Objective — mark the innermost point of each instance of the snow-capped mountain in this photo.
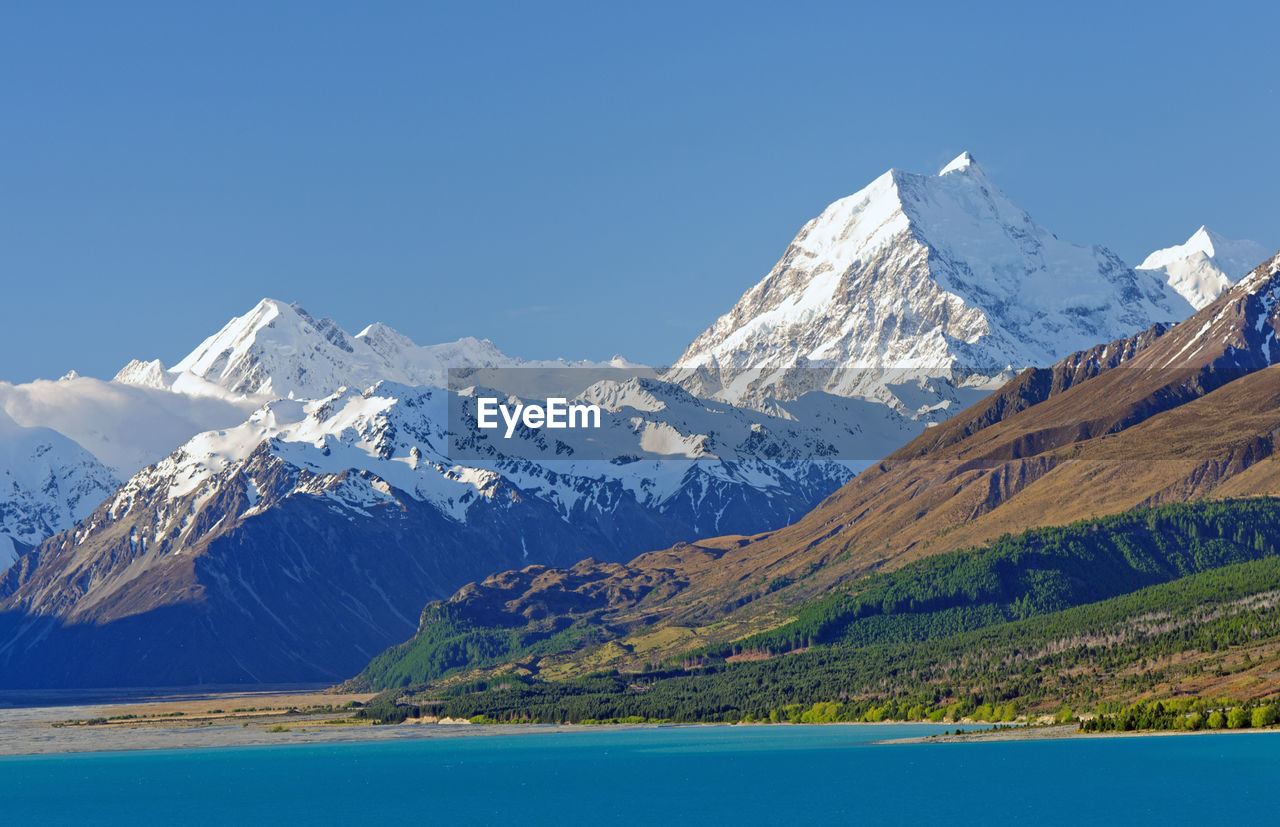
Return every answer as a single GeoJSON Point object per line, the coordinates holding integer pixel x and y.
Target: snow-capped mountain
{"type": "Point", "coordinates": [70, 442]}
{"type": "Point", "coordinates": [297, 542]}
{"type": "Point", "coordinates": [279, 351]}
{"type": "Point", "coordinates": [1206, 265]}
{"type": "Point", "coordinates": [48, 483]}
{"type": "Point", "coordinates": [919, 276]}
{"type": "Point", "coordinates": [147, 411]}
{"type": "Point", "coordinates": [398, 436]}
{"type": "Point", "coordinates": [319, 487]}
{"type": "Point", "coordinates": [295, 545]}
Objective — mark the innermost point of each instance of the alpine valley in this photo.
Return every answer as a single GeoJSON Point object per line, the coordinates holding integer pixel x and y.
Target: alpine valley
{"type": "Point", "coordinates": [931, 419]}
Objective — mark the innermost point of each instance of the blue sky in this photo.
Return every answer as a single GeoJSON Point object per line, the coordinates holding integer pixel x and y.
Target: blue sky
{"type": "Point", "coordinates": [570, 179]}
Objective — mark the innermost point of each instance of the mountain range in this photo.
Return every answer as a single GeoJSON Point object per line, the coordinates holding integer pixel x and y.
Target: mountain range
{"type": "Point", "coordinates": [1171, 415]}
{"type": "Point", "coordinates": [280, 504]}
{"type": "Point", "coordinates": [222, 561]}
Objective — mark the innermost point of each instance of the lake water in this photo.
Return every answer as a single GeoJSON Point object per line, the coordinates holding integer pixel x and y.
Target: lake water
{"type": "Point", "coordinates": [708, 775]}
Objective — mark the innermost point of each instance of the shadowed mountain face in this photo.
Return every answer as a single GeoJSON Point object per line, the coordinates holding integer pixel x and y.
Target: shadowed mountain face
{"type": "Point", "coordinates": [297, 544]}
{"type": "Point", "coordinates": [1169, 415]}
{"type": "Point", "coordinates": [273, 588]}
{"type": "Point", "coordinates": [303, 559]}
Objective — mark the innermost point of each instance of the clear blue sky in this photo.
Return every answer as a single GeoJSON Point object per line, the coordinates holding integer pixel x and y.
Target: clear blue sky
{"type": "Point", "coordinates": [570, 179]}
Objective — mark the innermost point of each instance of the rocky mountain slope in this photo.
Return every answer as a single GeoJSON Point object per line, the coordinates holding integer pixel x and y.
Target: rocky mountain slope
{"type": "Point", "coordinates": [1169, 415]}
{"type": "Point", "coordinates": [919, 277]}
{"type": "Point", "coordinates": [294, 545]}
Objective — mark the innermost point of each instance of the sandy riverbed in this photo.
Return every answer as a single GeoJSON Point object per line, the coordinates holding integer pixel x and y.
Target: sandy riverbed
{"type": "Point", "coordinates": [208, 720]}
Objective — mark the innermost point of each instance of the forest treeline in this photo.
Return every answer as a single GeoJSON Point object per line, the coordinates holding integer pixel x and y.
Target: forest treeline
{"type": "Point", "coordinates": [1049, 620]}
{"type": "Point", "coordinates": [1012, 578]}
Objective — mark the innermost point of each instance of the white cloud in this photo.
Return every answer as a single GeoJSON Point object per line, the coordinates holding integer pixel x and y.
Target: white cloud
{"type": "Point", "coordinates": [124, 426]}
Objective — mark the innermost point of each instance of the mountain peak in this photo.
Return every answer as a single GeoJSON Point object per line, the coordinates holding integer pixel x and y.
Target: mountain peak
{"type": "Point", "coordinates": [278, 349]}
{"type": "Point", "coordinates": [1236, 331]}
{"type": "Point", "coordinates": [1203, 240]}
{"type": "Point", "coordinates": [964, 162]}
{"type": "Point", "coordinates": [385, 340]}
{"type": "Point", "coordinates": [938, 274]}
{"type": "Point", "coordinates": [1201, 268]}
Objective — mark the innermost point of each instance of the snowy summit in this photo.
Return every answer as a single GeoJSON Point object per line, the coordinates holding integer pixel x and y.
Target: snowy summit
{"type": "Point", "coordinates": [934, 274]}
{"type": "Point", "coordinates": [1206, 265]}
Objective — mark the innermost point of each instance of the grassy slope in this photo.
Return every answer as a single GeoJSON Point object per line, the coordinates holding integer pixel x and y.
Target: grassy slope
{"type": "Point", "coordinates": [1216, 633]}
{"type": "Point", "coordinates": [920, 618]}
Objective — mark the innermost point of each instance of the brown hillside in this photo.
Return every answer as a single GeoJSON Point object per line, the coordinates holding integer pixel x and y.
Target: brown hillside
{"type": "Point", "coordinates": [1164, 416]}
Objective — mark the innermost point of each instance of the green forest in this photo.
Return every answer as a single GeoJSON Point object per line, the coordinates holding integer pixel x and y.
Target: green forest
{"type": "Point", "coordinates": [1015, 577]}
{"type": "Point", "coordinates": [1040, 663]}
{"type": "Point", "coordinates": [1033, 573]}
{"type": "Point", "coordinates": [1052, 620]}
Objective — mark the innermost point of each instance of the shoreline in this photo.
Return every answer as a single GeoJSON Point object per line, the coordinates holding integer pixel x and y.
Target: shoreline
{"type": "Point", "coordinates": [202, 719]}
{"type": "Point", "coordinates": [71, 723]}
{"type": "Point", "coordinates": [1059, 732]}
{"type": "Point", "coordinates": [210, 720]}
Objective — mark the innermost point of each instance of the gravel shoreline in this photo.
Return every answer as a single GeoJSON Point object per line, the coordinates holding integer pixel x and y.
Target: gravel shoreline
{"type": "Point", "coordinates": [212, 720]}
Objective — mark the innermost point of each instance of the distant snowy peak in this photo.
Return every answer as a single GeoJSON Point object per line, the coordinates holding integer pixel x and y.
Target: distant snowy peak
{"type": "Point", "coordinates": [1206, 265]}
{"type": "Point", "coordinates": [47, 484]}
{"type": "Point", "coordinates": [961, 163]}
{"type": "Point", "coordinates": [934, 274]}
{"type": "Point", "coordinates": [401, 352]}
{"type": "Point", "coordinates": [145, 375]}
{"type": "Point", "coordinates": [279, 351]}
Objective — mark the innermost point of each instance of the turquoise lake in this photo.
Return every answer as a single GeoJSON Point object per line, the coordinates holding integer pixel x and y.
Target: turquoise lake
{"type": "Point", "coordinates": [708, 775]}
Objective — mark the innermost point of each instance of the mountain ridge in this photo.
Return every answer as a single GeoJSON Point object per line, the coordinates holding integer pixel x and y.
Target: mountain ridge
{"type": "Point", "coordinates": [1171, 415]}
{"type": "Point", "coordinates": [939, 276]}
{"type": "Point", "coordinates": [342, 442]}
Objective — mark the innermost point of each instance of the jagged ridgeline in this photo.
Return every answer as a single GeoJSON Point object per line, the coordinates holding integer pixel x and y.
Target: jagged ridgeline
{"type": "Point", "coordinates": [289, 500]}
{"type": "Point", "coordinates": [1031, 574]}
